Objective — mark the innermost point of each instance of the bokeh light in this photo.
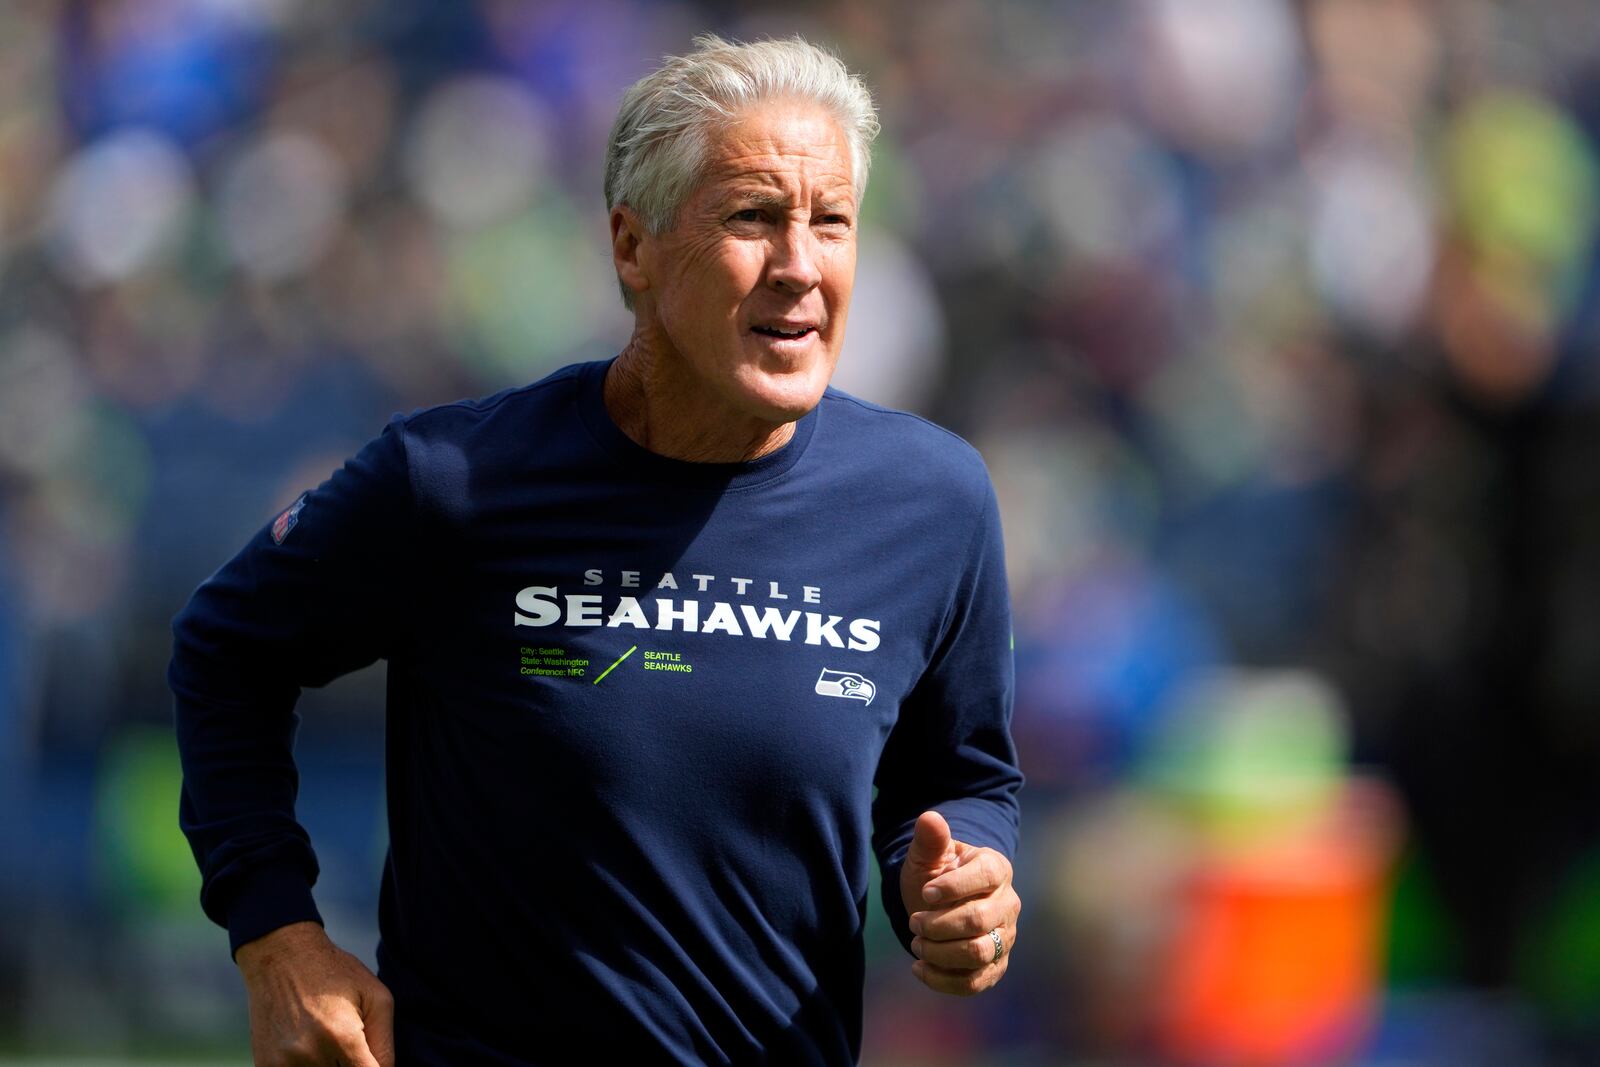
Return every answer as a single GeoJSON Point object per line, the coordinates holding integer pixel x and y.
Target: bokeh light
{"type": "Point", "coordinates": [478, 150]}
{"type": "Point", "coordinates": [120, 204]}
{"type": "Point", "coordinates": [278, 203]}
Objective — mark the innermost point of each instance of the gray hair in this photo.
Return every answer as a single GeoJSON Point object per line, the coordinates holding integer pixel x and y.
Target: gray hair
{"type": "Point", "coordinates": [659, 140]}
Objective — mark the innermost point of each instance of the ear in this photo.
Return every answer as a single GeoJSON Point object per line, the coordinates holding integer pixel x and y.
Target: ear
{"type": "Point", "coordinates": [627, 234]}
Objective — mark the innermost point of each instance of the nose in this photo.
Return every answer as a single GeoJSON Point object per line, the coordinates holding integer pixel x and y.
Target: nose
{"type": "Point", "coordinates": [792, 264]}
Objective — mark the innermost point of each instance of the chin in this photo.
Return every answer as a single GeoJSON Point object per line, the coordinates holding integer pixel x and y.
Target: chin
{"type": "Point", "coordinates": [784, 396]}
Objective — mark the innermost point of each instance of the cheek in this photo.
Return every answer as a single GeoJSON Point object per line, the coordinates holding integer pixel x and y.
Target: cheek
{"type": "Point", "coordinates": [719, 283]}
{"type": "Point", "coordinates": [839, 276]}
{"type": "Point", "coordinates": [741, 266]}
{"type": "Point", "coordinates": [698, 300]}
{"type": "Point", "coordinates": [839, 260]}
{"type": "Point", "coordinates": [699, 272]}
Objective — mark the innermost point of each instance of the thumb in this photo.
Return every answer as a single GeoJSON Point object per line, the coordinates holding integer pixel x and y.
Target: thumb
{"type": "Point", "coordinates": [930, 841]}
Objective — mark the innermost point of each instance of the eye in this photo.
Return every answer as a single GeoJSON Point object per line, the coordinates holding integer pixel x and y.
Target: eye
{"type": "Point", "coordinates": [834, 221]}
{"type": "Point", "coordinates": [749, 214]}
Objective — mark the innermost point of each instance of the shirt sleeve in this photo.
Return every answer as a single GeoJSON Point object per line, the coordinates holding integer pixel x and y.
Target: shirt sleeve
{"type": "Point", "coordinates": [310, 597]}
{"type": "Point", "coordinates": [951, 748]}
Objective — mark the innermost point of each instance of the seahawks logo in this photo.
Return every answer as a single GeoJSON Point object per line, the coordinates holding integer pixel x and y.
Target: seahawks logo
{"type": "Point", "coordinates": [846, 684]}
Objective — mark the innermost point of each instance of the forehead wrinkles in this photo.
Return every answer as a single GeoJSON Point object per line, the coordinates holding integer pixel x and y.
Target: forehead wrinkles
{"type": "Point", "coordinates": [770, 163]}
{"type": "Point", "coordinates": [777, 148]}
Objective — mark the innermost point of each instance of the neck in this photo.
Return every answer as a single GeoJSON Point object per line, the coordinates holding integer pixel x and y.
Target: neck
{"type": "Point", "coordinates": [660, 406]}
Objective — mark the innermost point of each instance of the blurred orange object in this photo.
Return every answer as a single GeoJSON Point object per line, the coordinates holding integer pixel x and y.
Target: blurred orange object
{"type": "Point", "coordinates": [1276, 959]}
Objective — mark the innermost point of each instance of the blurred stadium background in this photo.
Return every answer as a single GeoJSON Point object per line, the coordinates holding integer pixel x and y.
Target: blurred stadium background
{"type": "Point", "coordinates": [1277, 322]}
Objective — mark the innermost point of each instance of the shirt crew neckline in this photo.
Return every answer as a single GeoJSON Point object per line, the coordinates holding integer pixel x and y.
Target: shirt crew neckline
{"type": "Point", "coordinates": [737, 475]}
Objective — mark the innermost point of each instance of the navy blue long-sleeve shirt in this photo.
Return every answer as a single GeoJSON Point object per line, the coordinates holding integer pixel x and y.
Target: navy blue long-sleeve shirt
{"type": "Point", "coordinates": [637, 709]}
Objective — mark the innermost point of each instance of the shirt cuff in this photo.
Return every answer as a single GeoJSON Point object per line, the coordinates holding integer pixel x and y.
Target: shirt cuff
{"type": "Point", "coordinates": [273, 897]}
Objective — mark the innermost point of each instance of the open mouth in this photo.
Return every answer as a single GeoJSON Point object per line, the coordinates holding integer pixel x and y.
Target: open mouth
{"type": "Point", "coordinates": [784, 333]}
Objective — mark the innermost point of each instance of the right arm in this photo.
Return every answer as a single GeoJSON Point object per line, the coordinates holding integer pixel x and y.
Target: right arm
{"type": "Point", "coordinates": [293, 610]}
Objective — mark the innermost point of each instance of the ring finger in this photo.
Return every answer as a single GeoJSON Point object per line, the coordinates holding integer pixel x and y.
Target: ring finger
{"type": "Point", "coordinates": [964, 954]}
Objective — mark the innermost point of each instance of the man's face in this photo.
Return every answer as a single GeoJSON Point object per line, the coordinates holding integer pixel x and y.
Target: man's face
{"type": "Point", "coordinates": [750, 288]}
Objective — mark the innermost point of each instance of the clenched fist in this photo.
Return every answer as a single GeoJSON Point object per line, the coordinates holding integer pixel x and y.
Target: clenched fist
{"type": "Point", "coordinates": [312, 1004]}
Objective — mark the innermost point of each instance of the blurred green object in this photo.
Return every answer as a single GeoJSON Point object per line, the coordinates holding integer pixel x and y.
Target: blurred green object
{"type": "Point", "coordinates": [1420, 951]}
{"type": "Point", "coordinates": [1523, 177]}
{"type": "Point", "coordinates": [142, 859]}
{"type": "Point", "coordinates": [1559, 960]}
{"type": "Point", "coordinates": [894, 190]}
{"type": "Point", "coordinates": [529, 294]}
{"type": "Point", "coordinates": [1250, 754]}
{"type": "Point", "coordinates": [106, 475]}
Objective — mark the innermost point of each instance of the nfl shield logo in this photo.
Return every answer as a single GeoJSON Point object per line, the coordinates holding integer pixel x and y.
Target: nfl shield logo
{"type": "Point", "coordinates": [286, 522]}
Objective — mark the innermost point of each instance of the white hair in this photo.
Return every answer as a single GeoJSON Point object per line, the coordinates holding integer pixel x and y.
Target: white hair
{"type": "Point", "coordinates": [659, 140]}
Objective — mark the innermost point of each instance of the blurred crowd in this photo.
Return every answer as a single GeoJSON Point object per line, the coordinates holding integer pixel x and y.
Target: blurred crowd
{"type": "Point", "coordinates": [1277, 322]}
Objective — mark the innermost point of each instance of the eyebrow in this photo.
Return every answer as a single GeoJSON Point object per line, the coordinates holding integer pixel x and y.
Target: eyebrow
{"type": "Point", "coordinates": [779, 202]}
{"type": "Point", "coordinates": [761, 198]}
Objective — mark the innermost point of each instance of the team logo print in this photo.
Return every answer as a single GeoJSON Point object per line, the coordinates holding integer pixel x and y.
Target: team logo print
{"type": "Point", "coordinates": [286, 522]}
{"type": "Point", "coordinates": [847, 684]}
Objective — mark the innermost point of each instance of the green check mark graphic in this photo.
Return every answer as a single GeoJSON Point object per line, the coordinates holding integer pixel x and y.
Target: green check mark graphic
{"type": "Point", "coordinates": [613, 667]}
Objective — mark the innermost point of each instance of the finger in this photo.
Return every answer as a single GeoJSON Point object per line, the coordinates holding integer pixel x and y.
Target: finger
{"type": "Point", "coordinates": [969, 918]}
{"type": "Point", "coordinates": [957, 983]}
{"type": "Point", "coordinates": [985, 872]}
{"type": "Point", "coordinates": [378, 1017]}
{"type": "Point", "coordinates": [968, 954]}
{"type": "Point", "coordinates": [930, 840]}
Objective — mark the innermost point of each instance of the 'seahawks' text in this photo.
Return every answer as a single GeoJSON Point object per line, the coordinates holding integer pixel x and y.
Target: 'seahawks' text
{"type": "Point", "coordinates": [544, 605]}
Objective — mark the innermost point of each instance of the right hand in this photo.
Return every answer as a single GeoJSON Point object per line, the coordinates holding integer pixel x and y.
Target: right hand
{"type": "Point", "coordinates": [312, 1004]}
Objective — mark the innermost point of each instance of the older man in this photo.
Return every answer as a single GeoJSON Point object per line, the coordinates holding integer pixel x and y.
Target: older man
{"type": "Point", "coordinates": [656, 628]}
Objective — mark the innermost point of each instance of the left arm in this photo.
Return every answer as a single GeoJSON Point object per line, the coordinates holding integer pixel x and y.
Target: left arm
{"type": "Point", "coordinates": [946, 814]}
